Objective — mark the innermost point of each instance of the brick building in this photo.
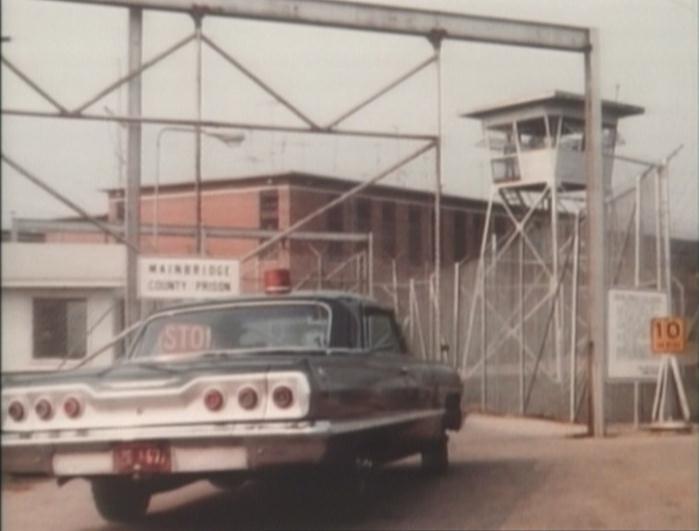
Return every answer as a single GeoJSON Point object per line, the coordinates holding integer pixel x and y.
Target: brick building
{"type": "Point", "coordinates": [401, 221]}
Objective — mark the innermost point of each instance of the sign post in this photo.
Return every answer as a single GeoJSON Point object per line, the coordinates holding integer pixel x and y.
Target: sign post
{"type": "Point", "coordinates": [630, 355]}
{"type": "Point", "coordinates": [668, 339]}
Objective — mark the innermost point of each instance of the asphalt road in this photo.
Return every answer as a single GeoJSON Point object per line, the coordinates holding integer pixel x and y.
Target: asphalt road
{"type": "Point", "coordinates": [505, 473]}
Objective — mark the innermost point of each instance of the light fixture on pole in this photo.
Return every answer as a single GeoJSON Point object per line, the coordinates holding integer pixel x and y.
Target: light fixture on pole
{"type": "Point", "coordinates": [229, 139]}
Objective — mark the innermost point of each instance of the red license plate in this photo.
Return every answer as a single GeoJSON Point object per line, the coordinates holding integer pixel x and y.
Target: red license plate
{"type": "Point", "coordinates": [130, 458]}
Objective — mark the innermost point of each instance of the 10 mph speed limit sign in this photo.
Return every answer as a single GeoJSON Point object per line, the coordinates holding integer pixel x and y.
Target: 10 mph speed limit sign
{"type": "Point", "coordinates": [667, 335]}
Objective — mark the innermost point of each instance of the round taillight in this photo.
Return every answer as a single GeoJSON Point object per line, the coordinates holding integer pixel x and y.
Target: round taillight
{"type": "Point", "coordinates": [71, 407]}
{"type": "Point", "coordinates": [283, 397]}
{"type": "Point", "coordinates": [16, 411]}
{"type": "Point", "coordinates": [43, 409]}
{"type": "Point", "coordinates": [247, 398]}
{"type": "Point", "coordinates": [213, 400]}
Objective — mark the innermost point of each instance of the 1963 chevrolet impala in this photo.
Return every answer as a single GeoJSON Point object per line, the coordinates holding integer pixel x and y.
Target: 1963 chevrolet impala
{"type": "Point", "coordinates": [227, 390]}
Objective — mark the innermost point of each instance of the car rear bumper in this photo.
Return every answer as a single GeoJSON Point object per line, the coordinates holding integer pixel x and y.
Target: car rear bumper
{"type": "Point", "coordinates": [199, 448]}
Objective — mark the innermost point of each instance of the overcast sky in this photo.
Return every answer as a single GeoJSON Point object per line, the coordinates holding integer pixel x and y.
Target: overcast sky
{"type": "Point", "coordinates": [649, 58]}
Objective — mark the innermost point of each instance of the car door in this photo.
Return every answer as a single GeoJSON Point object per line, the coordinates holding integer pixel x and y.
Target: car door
{"type": "Point", "coordinates": [402, 386]}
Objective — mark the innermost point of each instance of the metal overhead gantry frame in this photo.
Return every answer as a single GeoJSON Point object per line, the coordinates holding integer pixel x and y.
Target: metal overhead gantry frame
{"type": "Point", "coordinates": [433, 25]}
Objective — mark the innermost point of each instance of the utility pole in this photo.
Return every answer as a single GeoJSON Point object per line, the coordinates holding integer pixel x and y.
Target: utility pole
{"type": "Point", "coordinates": [597, 275]}
{"type": "Point", "coordinates": [132, 307]}
{"type": "Point", "coordinates": [198, 16]}
{"type": "Point", "coordinates": [436, 39]}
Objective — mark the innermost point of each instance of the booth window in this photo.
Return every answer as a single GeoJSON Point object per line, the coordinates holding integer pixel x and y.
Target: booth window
{"type": "Point", "coordinates": [60, 328]}
{"type": "Point", "coordinates": [532, 134]}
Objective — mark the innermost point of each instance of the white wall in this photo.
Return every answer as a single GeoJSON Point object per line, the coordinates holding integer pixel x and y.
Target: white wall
{"type": "Point", "coordinates": [17, 326]}
{"type": "Point", "coordinates": [95, 272]}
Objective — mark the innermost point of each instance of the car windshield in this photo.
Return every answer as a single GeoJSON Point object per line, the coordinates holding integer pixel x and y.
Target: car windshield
{"type": "Point", "coordinates": [236, 328]}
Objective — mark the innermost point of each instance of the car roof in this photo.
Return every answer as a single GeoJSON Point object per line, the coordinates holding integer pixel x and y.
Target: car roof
{"type": "Point", "coordinates": [319, 295]}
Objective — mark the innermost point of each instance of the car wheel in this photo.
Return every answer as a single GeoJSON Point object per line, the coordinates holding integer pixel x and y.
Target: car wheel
{"type": "Point", "coordinates": [435, 458]}
{"type": "Point", "coordinates": [120, 500]}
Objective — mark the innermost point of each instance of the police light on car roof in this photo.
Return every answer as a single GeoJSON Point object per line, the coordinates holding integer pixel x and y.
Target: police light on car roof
{"type": "Point", "coordinates": [277, 281]}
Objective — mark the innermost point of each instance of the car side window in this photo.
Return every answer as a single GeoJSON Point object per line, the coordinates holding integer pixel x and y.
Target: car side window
{"type": "Point", "coordinates": [382, 333]}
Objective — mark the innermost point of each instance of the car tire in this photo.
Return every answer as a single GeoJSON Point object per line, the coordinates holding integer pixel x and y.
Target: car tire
{"type": "Point", "coordinates": [435, 458]}
{"type": "Point", "coordinates": [120, 500]}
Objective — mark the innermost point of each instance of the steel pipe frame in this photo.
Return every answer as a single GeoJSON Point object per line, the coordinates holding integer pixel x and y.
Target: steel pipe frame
{"type": "Point", "coordinates": [460, 27]}
{"type": "Point", "coordinates": [132, 217]}
{"type": "Point", "coordinates": [219, 124]}
{"type": "Point", "coordinates": [39, 225]}
{"type": "Point", "coordinates": [33, 85]}
{"type": "Point", "coordinates": [73, 206]}
{"type": "Point", "coordinates": [510, 332]}
{"type": "Point", "coordinates": [377, 18]}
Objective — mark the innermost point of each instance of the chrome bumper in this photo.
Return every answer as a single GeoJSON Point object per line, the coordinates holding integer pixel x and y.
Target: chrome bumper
{"type": "Point", "coordinates": [193, 448]}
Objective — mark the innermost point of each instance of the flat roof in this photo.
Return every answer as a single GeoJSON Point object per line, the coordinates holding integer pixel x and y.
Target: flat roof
{"type": "Point", "coordinates": [556, 98]}
{"type": "Point", "coordinates": [322, 183]}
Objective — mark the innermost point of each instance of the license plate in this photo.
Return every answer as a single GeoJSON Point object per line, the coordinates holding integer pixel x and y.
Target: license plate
{"type": "Point", "coordinates": [130, 458]}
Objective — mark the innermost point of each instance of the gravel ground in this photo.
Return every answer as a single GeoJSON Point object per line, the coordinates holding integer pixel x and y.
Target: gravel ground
{"type": "Point", "coordinates": [506, 473]}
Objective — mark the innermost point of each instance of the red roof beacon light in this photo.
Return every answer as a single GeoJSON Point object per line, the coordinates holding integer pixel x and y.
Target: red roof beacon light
{"type": "Point", "coordinates": [277, 281]}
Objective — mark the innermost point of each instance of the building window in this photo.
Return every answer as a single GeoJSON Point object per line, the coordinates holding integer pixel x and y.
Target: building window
{"type": "Point", "coordinates": [477, 235]}
{"type": "Point", "coordinates": [119, 212]}
{"type": "Point", "coordinates": [415, 232]}
{"type": "Point", "coordinates": [362, 215]}
{"type": "Point", "coordinates": [388, 229]}
{"type": "Point", "coordinates": [269, 209]}
{"type": "Point", "coordinates": [60, 328]}
{"type": "Point", "coordinates": [362, 220]}
{"type": "Point", "coordinates": [269, 220]}
{"type": "Point", "coordinates": [335, 223]}
{"type": "Point", "coordinates": [460, 235]}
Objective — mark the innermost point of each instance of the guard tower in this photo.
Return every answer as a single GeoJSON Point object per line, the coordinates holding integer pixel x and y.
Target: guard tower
{"type": "Point", "coordinates": [537, 160]}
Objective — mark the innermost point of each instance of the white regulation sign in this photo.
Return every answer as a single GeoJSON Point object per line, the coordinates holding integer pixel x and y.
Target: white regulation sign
{"type": "Point", "coordinates": [187, 278]}
{"type": "Point", "coordinates": [630, 313]}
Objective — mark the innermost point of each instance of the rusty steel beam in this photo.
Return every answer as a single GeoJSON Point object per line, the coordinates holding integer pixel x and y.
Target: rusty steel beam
{"type": "Point", "coordinates": [386, 19]}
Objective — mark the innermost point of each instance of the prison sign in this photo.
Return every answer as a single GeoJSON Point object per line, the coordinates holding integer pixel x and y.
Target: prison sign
{"type": "Point", "coordinates": [187, 278]}
{"type": "Point", "coordinates": [667, 335]}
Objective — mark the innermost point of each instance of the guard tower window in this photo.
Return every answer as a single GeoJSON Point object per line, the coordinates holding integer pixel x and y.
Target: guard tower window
{"type": "Point", "coordinates": [505, 167]}
{"type": "Point", "coordinates": [572, 135]}
{"type": "Point", "coordinates": [532, 134]}
{"type": "Point", "coordinates": [554, 125]}
{"type": "Point", "coordinates": [119, 210]}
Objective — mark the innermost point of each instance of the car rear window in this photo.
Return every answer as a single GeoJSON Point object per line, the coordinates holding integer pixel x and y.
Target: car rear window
{"type": "Point", "coordinates": [241, 327]}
